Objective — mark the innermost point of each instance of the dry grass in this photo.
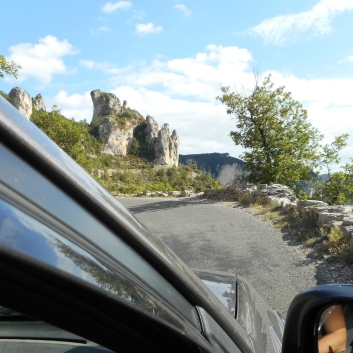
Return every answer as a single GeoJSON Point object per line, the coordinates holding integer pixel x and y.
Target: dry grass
{"type": "Point", "coordinates": [323, 241]}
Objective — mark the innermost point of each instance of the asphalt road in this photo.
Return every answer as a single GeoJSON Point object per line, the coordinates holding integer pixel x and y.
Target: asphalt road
{"type": "Point", "coordinates": [208, 235]}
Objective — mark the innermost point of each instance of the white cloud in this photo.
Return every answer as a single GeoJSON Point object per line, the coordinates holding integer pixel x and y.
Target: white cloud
{"type": "Point", "coordinates": [104, 29]}
{"type": "Point", "coordinates": [198, 77]}
{"type": "Point", "coordinates": [182, 92]}
{"type": "Point", "coordinates": [146, 28]}
{"type": "Point", "coordinates": [94, 32]}
{"type": "Point", "coordinates": [183, 9]}
{"type": "Point", "coordinates": [104, 66]}
{"type": "Point", "coordinates": [288, 28]}
{"type": "Point", "coordinates": [89, 64]}
{"type": "Point", "coordinates": [139, 15]}
{"type": "Point", "coordinates": [77, 106]}
{"type": "Point", "coordinates": [43, 60]}
{"type": "Point", "coordinates": [110, 7]}
{"type": "Point", "coordinates": [346, 60]}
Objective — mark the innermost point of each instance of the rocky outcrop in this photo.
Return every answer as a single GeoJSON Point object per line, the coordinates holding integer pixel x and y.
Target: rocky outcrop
{"type": "Point", "coordinates": [151, 129]}
{"type": "Point", "coordinates": [115, 135]}
{"type": "Point", "coordinates": [118, 125]}
{"type": "Point", "coordinates": [38, 102]}
{"type": "Point", "coordinates": [21, 100]}
{"type": "Point", "coordinates": [115, 140]}
{"type": "Point", "coordinates": [166, 147]}
{"type": "Point", "coordinates": [104, 104]}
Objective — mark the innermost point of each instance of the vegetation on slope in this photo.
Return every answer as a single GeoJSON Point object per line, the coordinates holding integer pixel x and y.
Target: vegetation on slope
{"type": "Point", "coordinates": [131, 174]}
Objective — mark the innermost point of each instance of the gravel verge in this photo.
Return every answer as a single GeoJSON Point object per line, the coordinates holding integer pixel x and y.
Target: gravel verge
{"type": "Point", "coordinates": [328, 269]}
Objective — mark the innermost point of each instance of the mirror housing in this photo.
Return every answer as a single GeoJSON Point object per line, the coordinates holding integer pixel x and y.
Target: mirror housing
{"type": "Point", "coordinates": [300, 330]}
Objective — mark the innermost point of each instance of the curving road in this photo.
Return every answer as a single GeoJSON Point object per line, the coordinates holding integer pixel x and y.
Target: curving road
{"type": "Point", "coordinates": [209, 235]}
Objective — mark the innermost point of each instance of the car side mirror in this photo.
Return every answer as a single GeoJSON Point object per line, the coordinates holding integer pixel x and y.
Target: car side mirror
{"type": "Point", "coordinates": [320, 319]}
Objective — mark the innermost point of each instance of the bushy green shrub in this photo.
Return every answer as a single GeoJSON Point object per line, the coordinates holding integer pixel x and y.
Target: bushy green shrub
{"type": "Point", "coordinates": [68, 134]}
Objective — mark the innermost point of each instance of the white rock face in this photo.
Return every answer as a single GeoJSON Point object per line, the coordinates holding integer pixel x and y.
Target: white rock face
{"type": "Point", "coordinates": [152, 129]}
{"type": "Point", "coordinates": [104, 104]}
{"type": "Point", "coordinates": [166, 147]}
{"type": "Point", "coordinates": [21, 100]}
{"type": "Point", "coordinates": [38, 102]}
{"type": "Point", "coordinates": [115, 140]}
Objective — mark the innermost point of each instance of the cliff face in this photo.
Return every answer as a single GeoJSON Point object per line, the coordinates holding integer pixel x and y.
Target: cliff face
{"type": "Point", "coordinates": [116, 123]}
{"type": "Point", "coordinates": [38, 102]}
{"type": "Point", "coordinates": [104, 104]}
{"type": "Point", "coordinates": [227, 170]}
{"type": "Point", "coordinates": [21, 100]}
{"type": "Point", "coordinates": [166, 147]}
{"type": "Point", "coordinates": [115, 140]}
{"type": "Point", "coordinates": [119, 125]}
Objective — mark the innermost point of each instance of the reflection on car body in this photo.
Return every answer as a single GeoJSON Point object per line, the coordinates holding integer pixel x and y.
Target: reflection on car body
{"type": "Point", "coordinates": [79, 265]}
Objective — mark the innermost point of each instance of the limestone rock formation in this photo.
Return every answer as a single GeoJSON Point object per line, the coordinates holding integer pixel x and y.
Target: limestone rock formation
{"type": "Point", "coordinates": [136, 114]}
{"type": "Point", "coordinates": [116, 140]}
{"type": "Point", "coordinates": [166, 147]}
{"type": "Point", "coordinates": [104, 104]}
{"type": "Point", "coordinates": [38, 102]}
{"type": "Point", "coordinates": [116, 131]}
{"type": "Point", "coordinates": [21, 100]}
{"type": "Point", "coordinates": [152, 129]}
{"type": "Point", "coordinates": [119, 125]}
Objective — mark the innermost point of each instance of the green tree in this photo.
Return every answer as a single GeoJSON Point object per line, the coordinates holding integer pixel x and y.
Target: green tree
{"type": "Point", "coordinates": [9, 68]}
{"type": "Point", "coordinates": [68, 134]}
{"type": "Point", "coordinates": [281, 146]}
{"type": "Point", "coordinates": [330, 152]}
{"type": "Point", "coordinates": [337, 190]}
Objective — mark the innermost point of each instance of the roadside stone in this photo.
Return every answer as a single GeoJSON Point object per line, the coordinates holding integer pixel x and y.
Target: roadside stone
{"type": "Point", "coordinates": [303, 203]}
{"type": "Point", "coordinates": [174, 193]}
{"type": "Point", "coordinates": [347, 221]}
{"type": "Point", "coordinates": [185, 193]}
{"type": "Point", "coordinates": [324, 218]}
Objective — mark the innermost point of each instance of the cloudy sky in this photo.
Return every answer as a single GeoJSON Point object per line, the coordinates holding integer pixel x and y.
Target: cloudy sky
{"type": "Point", "coordinates": [169, 58]}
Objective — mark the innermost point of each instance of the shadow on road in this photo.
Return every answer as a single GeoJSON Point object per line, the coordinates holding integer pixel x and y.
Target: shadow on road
{"type": "Point", "coordinates": [166, 204]}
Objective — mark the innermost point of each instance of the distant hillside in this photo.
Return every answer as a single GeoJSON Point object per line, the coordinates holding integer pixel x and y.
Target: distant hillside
{"type": "Point", "coordinates": [227, 170]}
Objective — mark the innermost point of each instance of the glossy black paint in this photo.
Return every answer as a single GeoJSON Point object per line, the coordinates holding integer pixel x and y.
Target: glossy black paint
{"type": "Point", "coordinates": [215, 335]}
{"type": "Point", "coordinates": [30, 238]}
{"type": "Point", "coordinates": [55, 204]}
{"type": "Point", "coordinates": [262, 325]}
{"type": "Point", "coordinates": [222, 285]}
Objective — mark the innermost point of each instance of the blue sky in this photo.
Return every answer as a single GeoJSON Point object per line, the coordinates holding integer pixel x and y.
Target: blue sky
{"type": "Point", "coordinates": [168, 58]}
